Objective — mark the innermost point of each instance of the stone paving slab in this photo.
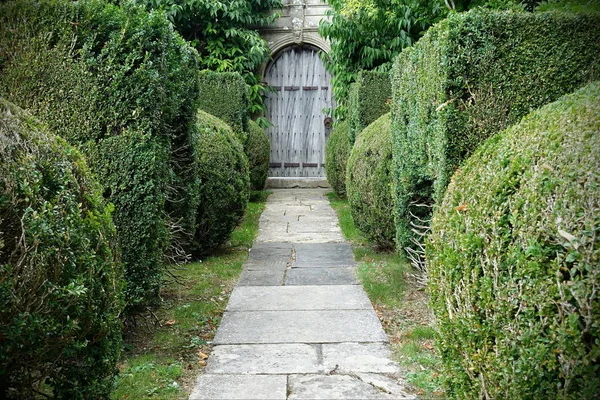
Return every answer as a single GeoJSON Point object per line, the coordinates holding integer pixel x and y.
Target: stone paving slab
{"type": "Point", "coordinates": [293, 358]}
{"type": "Point", "coordinates": [272, 298]}
{"type": "Point", "coordinates": [321, 276]}
{"type": "Point", "coordinates": [261, 277]}
{"type": "Point", "coordinates": [359, 357]}
{"type": "Point", "coordinates": [240, 387]}
{"type": "Point", "coordinates": [323, 255]}
{"type": "Point", "coordinates": [309, 237]}
{"type": "Point", "coordinates": [323, 326]}
{"type": "Point", "coordinates": [268, 265]}
{"type": "Point", "coordinates": [278, 209]}
{"type": "Point", "coordinates": [338, 387]}
{"type": "Point", "coordinates": [304, 227]}
{"type": "Point", "coordinates": [285, 228]}
{"type": "Point", "coordinates": [279, 248]}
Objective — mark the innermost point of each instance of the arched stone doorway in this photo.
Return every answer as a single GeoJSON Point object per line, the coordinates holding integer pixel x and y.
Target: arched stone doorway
{"type": "Point", "coordinates": [302, 91]}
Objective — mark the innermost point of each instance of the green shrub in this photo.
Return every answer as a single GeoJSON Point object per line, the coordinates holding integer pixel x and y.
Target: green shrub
{"type": "Point", "coordinates": [120, 84]}
{"type": "Point", "coordinates": [224, 95]}
{"type": "Point", "coordinates": [368, 100]}
{"type": "Point", "coordinates": [258, 151]}
{"type": "Point", "coordinates": [513, 260]}
{"type": "Point", "coordinates": [60, 278]}
{"type": "Point", "coordinates": [337, 151]}
{"type": "Point", "coordinates": [569, 5]}
{"type": "Point", "coordinates": [222, 167]}
{"type": "Point", "coordinates": [472, 75]}
{"type": "Point", "coordinates": [369, 183]}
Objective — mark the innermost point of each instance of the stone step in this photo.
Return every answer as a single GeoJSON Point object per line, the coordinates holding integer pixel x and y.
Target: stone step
{"type": "Point", "coordinates": [322, 326]}
{"type": "Point", "coordinates": [301, 358]}
{"type": "Point", "coordinates": [290, 298]}
{"type": "Point", "coordinates": [296, 183]}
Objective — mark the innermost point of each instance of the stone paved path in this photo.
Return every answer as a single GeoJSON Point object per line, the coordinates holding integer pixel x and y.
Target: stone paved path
{"type": "Point", "coordinates": [298, 325]}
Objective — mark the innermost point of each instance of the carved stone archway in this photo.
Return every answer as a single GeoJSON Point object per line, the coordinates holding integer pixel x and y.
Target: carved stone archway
{"type": "Point", "coordinates": [298, 25]}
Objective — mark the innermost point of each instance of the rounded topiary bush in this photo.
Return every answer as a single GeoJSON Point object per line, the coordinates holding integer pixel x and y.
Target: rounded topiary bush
{"type": "Point", "coordinates": [222, 167]}
{"type": "Point", "coordinates": [337, 151]}
{"type": "Point", "coordinates": [258, 151]}
{"type": "Point", "coordinates": [369, 183]}
{"type": "Point", "coordinates": [60, 281]}
{"type": "Point", "coordinates": [514, 259]}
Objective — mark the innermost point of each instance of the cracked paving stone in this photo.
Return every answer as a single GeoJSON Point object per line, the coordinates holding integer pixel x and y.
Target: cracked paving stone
{"type": "Point", "coordinates": [341, 387]}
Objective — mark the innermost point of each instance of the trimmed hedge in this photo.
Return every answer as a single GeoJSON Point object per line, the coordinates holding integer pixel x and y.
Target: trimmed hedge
{"type": "Point", "coordinates": [258, 151]}
{"type": "Point", "coordinates": [224, 95]}
{"type": "Point", "coordinates": [369, 99]}
{"type": "Point", "coordinates": [471, 76]}
{"type": "Point", "coordinates": [222, 167]}
{"type": "Point", "coordinates": [369, 183]}
{"type": "Point", "coordinates": [121, 84]}
{"type": "Point", "coordinates": [513, 260]}
{"type": "Point", "coordinates": [60, 277]}
{"type": "Point", "coordinates": [337, 151]}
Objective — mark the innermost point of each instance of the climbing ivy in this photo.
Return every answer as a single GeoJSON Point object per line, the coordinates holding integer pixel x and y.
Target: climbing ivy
{"type": "Point", "coordinates": [224, 33]}
{"type": "Point", "coordinates": [368, 34]}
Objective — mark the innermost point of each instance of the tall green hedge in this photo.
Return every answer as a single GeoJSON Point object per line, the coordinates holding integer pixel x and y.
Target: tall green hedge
{"type": "Point", "coordinates": [469, 77]}
{"type": "Point", "coordinates": [514, 260]}
{"type": "Point", "coordinates": [368, 99]}
{"type": "Point", "coordinates": [222, 167]}
{"type": "Point", "coordinates": [258, 151]}
{"type": "Point", "coordinates": [369, 183]}
{"type": "Point", "coordinates": [119, 83]}
{"type": "Point", "coordinates": [60, 275]}
{"type": "Point", "coordinates": [337, 151]}
{"type": "Point", "coordinates": [224, 95]}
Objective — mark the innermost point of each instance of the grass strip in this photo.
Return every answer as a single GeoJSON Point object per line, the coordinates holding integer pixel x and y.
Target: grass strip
{"type": "Point", "coordinates": [167, 349]}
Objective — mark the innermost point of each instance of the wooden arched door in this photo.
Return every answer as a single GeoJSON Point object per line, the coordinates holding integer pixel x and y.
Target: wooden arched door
{"type": "Point", "coordinates": [302, 90]}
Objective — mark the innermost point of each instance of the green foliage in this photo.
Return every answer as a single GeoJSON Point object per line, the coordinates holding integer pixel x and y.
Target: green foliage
{"type": "Point", "coordinates": [513, 273]}
{"type": "Point", "coordinates": [224, 33]}
{"type": "Point", "coordinates": [471, 76]}
{"type": "Point", "coordinates": [368, 35]}
{"type": "Point", "coordinates": [369, 99]}
{"type": "Point", "coordinates": [120, 84]}
{"type": "Point", "coordinates": [222, 167]}
{"type": "Point", "coordinates": [577, 6]}
{"type": "Point", "coordinates": [337, 151]}
{"type": "Point", "coordinates": [60, 277]}
{"type": "Point", "coordinates": [369, 183]}
{"type": "Point", "coordinates": [465, 5]}
{"type": "Point", "coordinates": [223, 94]}
{"type": "Point", "coordinates": [258, 151]}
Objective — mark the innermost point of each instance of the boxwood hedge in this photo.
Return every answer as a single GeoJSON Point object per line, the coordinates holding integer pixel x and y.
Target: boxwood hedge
{"type": "Point", "coordinates": [471, 76]}
{"type": "Point", "coordinates": [121, 84]}
{"type": "Point", "coordinates": [222, 167]}
{"type": "Point", "coordinates": [258, 151]}
{"type": "Point", "coordinates": [60, 276]}
{"type": "Point", "coordinates": [337, 151]}
{"type": "Point", "coordinates": [513, 260]}
{"type": "Point", "coordinates": [224, 95]}
{"type": "Point", "coordinates": [369, 183]}
{"type": "Point", "coordinates": [369, 99]}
